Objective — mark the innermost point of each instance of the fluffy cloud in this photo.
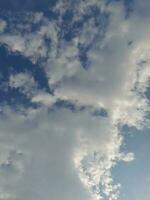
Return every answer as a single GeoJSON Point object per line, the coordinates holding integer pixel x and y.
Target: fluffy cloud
{"type": "Point", "coordinates": [58, 153]}
{"type": "Point", "coordinates": [38, 150]}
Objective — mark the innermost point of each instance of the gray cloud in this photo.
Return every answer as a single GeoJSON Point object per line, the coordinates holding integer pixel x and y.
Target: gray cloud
{"type": "Point", "coordinates": [60, 154]}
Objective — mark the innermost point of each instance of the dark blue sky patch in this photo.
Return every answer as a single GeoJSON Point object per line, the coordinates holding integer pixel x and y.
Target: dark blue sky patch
{"type": "Point", "coordinates": [14, 98]}
{"type": "Point", "coordinates": [23, 22]}
{"type": "Point", "coordinates": [60, 104]}
{"type": "Point", "coordinates": [68, 16]}
{"type": "Point", "coordinates": [83, 50]}
{"type": "Point", "coordinates": [100, 113]}
{"type": "Point", "coordinates": [129, 7]}
{"type": "Point", "coordinates": [147, 93]}
{"type": "Point", "coordinates": [130, 43]}
{"type": "Point", "coordinates": [27, 5]}
{"type": "Point", "coordinates": [15, 19]}
{"type": "Point", "coordinates": [64, 104]}
{"type": "Point", "coordinates": [13, 63]}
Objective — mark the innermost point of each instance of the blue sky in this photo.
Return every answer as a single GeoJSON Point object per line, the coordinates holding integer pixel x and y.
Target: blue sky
{"type": "Point", "coordinates": [74, 99]}
{"type": "Point", "coordinates": [135, 175]}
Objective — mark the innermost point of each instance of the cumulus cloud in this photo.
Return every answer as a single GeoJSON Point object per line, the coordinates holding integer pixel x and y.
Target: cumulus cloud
{"type": "Point", "coordinates": [58, 153]}
{"type": "Point", "coordinates": [44, 145]}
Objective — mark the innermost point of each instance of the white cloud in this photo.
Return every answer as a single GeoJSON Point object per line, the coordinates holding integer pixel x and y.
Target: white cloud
{"type": "Point", "coordinates": [3, 25]}
{"type": "Point", "coordinates": [24, 82]}
{"type": "Point", "coordinates": [21, 80]}
{"type": "Point", "coordinates": [60, 147]}
{"type": "Point", "coordinates": [15, 42]}
{"type": "Point", "coordinates": [44, 98]}
{"type": "Point", "coordinates": [47, 143]}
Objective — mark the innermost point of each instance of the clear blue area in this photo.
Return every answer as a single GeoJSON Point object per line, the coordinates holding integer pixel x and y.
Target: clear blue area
{"type": "Point", "coordinates": [134, 176]}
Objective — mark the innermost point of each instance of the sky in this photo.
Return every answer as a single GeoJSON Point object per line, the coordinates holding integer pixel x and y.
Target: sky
{"type": "Point", "coordinates": [74, 100]}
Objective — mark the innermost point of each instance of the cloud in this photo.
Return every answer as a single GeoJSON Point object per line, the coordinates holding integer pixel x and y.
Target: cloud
{"type": "Point", "coordinates": [3, 25]}
{"type": "Point", "coordinates": [44, 98]}
{"type": "Point", "coordinates": [44, 152]}
{"type": "Point", "coordinates": [59, 153]}
{"type": "Point", "coordinates": [22, 80]}
{"type": "Point", "coordinates": [33, 45]}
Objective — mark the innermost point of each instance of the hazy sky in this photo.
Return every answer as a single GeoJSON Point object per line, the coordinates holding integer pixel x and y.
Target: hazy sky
{"type": "Point", "coordinates": [74, 100]}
